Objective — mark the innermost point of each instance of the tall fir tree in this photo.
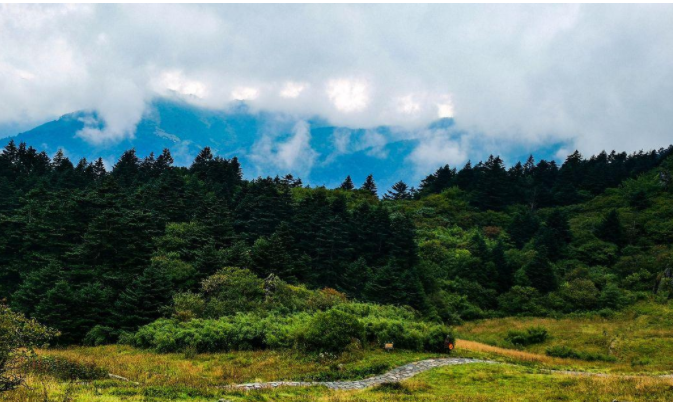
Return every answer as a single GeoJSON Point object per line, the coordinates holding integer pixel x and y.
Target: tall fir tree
{"type": "Point", "coordinates": [370, 185]}
{"type": "Point", "coordinates": [347, 184]}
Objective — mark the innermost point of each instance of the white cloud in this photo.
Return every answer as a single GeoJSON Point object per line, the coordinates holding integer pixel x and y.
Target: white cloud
{"type": "Point", "coordinates": [438, 149]}
{"type": "Point", "coordinates": [590, 76]}
{"type": "Point", "coordinates": [348, 95]}
{"type": "Point", "coordinates": [292, 89]}
{"type": "Point", "coordinates": [244, 93]}
{"type": "Point", "coordinates": [176, 82]}
{"type": "Point", "coordinates": [293, 154]}
{"type": "Point", "coordinates": [408, 105]}
{"type": "Point", "coordinates": [444, 110]}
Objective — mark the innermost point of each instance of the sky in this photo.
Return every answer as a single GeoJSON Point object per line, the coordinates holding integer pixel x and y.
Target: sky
{"type": "Point", "coordinates": [588, 77]}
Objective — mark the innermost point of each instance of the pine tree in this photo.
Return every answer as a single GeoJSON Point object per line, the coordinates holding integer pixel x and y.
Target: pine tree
{"type": "Point", "coordinates": [523, 227]}
{"type": "Point", "coordinates": [347, 184]}
{"type": "Point", "coordinates": [164, 161]}
{"type": "Point", "coordinates": [611, 230]}
{"type": "Point", "coordinates": [141, 302]}
{"type": "Point", "coordinates": [99, 169]}
{"type": "Point", "coordinates": [370, 185]}
{"type": "Point", "coordinates": [504, 271]}
{"type": "Point", "coordinates": [399, 191]}
{"type": "Point", "coordinates": [541, 273]}
{"type": "Point", "coordinates": [127, 168]}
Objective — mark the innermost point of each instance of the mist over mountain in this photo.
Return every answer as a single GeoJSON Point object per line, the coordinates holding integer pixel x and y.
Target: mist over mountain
{"type": "Point", "coordinates": [266, 143]}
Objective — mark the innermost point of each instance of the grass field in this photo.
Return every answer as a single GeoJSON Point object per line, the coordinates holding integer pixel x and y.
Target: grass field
{"type": "Point", "coordinates": [639, 339]}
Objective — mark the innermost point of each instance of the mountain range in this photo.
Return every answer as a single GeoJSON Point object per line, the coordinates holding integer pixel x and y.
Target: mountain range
{"type": "Point", "coordinates": [266, 143]}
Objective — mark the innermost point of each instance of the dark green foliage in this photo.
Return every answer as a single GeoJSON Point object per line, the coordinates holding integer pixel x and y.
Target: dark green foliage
{"type": "Point", "coordinates": [333, 331]}
{"type": "Point", "coordinates": [521, 300]}
{"type": "Point", "coordinates": [399, 191]}
{"type": "Point", "coordinates": [347, 184]}
{"type": "Point", "coordinates": [369, 185]}
{"type": "Point", "coordinates": [523, 227]}
{"type": "Point", "coordinates": [530, 336]}
{"type": "Point", "coordinates": [18, 336]}
{"type": "Point", "coordinates": [611, 230]}
{"type": "Point", "coordinates": [141, 302]}
{"type": "Point", "coordinates": [94, 253]}
{"type": "Point", "coordinates": [540, 273]}
{"type": "Point", "coordinates": [568, 353]}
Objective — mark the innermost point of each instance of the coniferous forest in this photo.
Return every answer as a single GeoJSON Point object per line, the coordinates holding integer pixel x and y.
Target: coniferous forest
{"type": "Point", "coordinates": [97, 252]}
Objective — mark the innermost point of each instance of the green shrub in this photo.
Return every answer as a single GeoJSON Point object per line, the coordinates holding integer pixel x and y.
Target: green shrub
{"type": "Point", "coordinates": [530, 336]}
{"type": "Point", "coordinates": [18, 336]}
{"type": "Point", "coordinates": [322, 331]}
{"type": "Point", "coordinates": [101, 335]}
{"type": "Point", "coordinates": [332, 331]}
{"type": "Point", "coordinates": [568, 353]}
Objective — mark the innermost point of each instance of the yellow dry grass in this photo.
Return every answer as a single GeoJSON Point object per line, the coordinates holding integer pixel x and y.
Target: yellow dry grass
{"type": "Point", "coordinates": [517, 355]}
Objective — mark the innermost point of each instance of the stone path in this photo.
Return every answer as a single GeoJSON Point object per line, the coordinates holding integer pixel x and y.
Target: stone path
{"type": "Point", "coordinates": [410, 370]}
{"type": "Point", "coordinates": [395, 375]}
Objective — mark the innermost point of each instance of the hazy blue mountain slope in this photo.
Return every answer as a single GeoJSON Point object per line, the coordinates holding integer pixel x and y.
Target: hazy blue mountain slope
{"type": "Point", "coordinates": [328, 154]}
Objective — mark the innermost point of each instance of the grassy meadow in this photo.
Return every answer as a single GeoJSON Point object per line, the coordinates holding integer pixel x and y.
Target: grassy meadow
{"type": "Point", "coordinates": [638, 339]}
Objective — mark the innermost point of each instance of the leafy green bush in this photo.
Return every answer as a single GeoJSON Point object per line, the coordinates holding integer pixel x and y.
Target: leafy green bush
{"type": "Point", "coordinates": [568, 353]}
{"type": "Point", "coordinates": [321, 331]}
{"type": "Point", "coordinates": [18, 336]}
{"type": "Point", "coordinates": [332, 331]}
{"type": "Point", "coordinates": [101, 335]}
{"type": "Point", "coordinates": [530, 336]}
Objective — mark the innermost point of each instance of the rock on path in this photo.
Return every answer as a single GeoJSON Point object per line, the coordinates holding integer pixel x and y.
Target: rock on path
{"type": "Point", "coordinates": [395, 375]}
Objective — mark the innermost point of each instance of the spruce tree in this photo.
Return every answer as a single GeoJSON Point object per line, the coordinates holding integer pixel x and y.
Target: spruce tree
{"type": "Point", "coordinates": [611, 230]}
{"type": "Point", "coordinates": [540, 273]}
{"type": "Point", "coordinates": [141, 302]}
{"type": "Point", "coordinates": [347, 184]}
{"type": "Point", "coordinates": [370, 185]}
{"type": "Point", "coordinates": [399, 191]}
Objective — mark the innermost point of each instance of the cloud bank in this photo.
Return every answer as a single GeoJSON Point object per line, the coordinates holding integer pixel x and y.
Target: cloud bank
{"type": "Point", "coordinates": [589, 76]}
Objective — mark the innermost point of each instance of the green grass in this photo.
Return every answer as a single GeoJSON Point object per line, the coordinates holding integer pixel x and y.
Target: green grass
{"type": "Point", "coordinates": [640, 339]}
{"type": "Point", "coordinates": [478, 382]}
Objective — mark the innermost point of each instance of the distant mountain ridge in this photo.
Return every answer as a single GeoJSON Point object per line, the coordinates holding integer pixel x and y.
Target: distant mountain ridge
{"type": "Point", "coordinates": [254, 138]}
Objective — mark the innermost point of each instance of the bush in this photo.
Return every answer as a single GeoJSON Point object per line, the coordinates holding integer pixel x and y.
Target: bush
{"type": "Point", "coordinates": [322, 331]}
{"type": "Point", "coordinates": [530, 336]}
{"type": "Point", "coordinates": [521, 300]}
{"type": "Point", "coordinates": [101, 335]}
{"type": "Point", "coordinates": [332, 331]}
{"type": "Point", "coordinates": [18, 336]}
{"type": "Point", "coordinates": [568, 353]}
{"type": "Point", "coordinates": [188, 305]}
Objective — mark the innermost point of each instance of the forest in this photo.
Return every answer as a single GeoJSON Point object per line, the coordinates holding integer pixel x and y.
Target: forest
{"type": "Point", "coordinates": [122, 254]}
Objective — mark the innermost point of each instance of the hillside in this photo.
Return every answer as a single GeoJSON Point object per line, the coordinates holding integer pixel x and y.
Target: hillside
{"type": "Point", "coordinates": [198, 260]}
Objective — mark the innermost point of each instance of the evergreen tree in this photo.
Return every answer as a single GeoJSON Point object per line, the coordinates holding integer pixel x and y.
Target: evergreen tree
{"type": "Point", "coordinates": [399, 191]}
{"type": "Point", "coordinates": [523, 227]}
{"type": "Point", "coordinates": [347, 184]}
{"type": "Point", "coordinates": [541, 273]}
{"type": "Point", "coordinates": [370, 185]}
{"type": "Point", "coordinates": [504, 271]}
{"type": "Point", "coordinates": [611, 230]}
{"type": "Point", "coordinates": [141, 302]}
{"type": "Point", "coordinates": [127, 168]}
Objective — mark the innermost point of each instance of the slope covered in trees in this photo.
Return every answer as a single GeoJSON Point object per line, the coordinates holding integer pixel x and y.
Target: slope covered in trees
{"type": "Point", "coordinates": [82, 247]}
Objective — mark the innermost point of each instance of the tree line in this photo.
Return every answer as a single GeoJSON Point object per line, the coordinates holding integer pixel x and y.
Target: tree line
{"type": "Point", "coordinates": [84, 247]}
